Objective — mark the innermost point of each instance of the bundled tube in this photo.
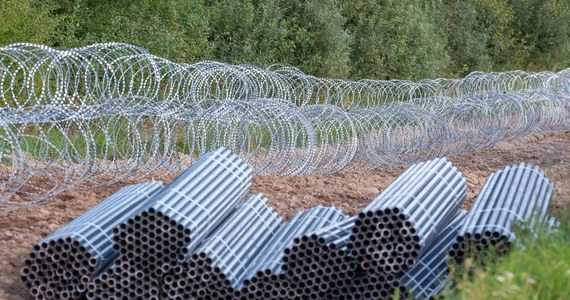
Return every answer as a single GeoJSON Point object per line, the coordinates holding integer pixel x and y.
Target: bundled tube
{"type": "Point", "coordinates": [182, 214]}
{"type": "Point", "coordinates": [379, 286]}
{"type": "Point", "coordinates": [429, 276]}
{"type": "Point", "coordinates": [219, 265]}
{"type": "Point", "coordinates": [265, 274]}
{"type": "Point", "coordinates": [517, 193]}
{"type": "Point", "coordinates": [318, 263]}
{"type": "Point", "coordinates": [196, 239]}
{"type": "Point", "coordinates": [61, 265]}
{"type": "Point", "coordinates": [400, 223]}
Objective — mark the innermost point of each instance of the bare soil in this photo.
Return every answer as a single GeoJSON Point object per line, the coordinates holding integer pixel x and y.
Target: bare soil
{"type": "Point", "coordinates": [288, 194]}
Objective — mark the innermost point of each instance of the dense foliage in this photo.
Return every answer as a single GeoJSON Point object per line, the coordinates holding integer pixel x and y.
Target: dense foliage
{"type": "Point", "coordinates": [382, 39]}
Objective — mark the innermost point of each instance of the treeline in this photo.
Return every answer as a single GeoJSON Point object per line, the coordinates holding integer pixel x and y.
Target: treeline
{"type": "Point", "coordinates": [380, 39]}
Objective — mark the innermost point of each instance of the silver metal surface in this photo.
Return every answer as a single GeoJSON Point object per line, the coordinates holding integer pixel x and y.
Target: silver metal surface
{"type": "Point", "coordinates": [517, 193]}
{"type": "Point", "coordinates": [265, 274]}
{"type": "Point", "coordinates": [219, 265]}
{"type": "Point", "coordinates": [196, 239]}
{"type": "Point", "coordinates": [429, 276]}
{"type": "Point", "coordinates": [61, 265]}
{"type": "Point", "coordinates": [394, 230]}
{"type": "Point", "coordinates": [181, 216]}
{"type": "Point", "coordinates": [318, 263]}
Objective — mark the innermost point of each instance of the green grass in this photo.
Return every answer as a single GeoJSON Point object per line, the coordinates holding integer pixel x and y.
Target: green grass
{"type": "Point", "coordinates": [535, 269]}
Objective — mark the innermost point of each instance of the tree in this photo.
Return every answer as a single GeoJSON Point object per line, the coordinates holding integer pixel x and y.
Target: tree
{"type": "Point", "coordinates": [231, 25]}
{"type": "Point", "coordinates": [253, 32]}
{"type": "Point", "coordinates": [542, 30]}
{"type": "Point", "coordinates": [321, 43]}
{"type": "Point", "coordinates": [27, 21]}
{"type": "Point", "coordinates": [394, 39]}
{"type": "Point", "coordinates": [465, 40]}
{"type": "Point", "coordinates": [495, 19]}
{"type": "Point", "coordinates": [379, 39]}
{"type": "Point", "coordinates": [175, 29]}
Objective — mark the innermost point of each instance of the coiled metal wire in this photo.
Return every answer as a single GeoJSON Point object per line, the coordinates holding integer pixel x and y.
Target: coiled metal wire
{"type": "Point", "coordinates": [90, 116]}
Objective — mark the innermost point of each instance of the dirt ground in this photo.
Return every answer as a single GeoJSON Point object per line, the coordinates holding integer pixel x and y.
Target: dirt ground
{"type": "Point", "coordinates": [289, 194]}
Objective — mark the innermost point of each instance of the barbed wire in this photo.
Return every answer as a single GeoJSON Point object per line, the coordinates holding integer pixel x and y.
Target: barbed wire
{"type": "Point", "coordinates": [91, 116]}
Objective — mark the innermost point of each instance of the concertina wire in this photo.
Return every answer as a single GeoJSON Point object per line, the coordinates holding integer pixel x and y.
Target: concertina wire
{"type": "Point", "coordinates": [92, 116]}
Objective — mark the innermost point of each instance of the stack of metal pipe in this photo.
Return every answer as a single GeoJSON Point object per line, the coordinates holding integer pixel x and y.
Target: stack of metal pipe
{"type": "Point", "coordinates": [194, 239]}
{"type": "Point", "coordinates": [61, 265]}
{"type": "Point", "coordinates": [318, 263]}
{"type": "Point", "coordinates": [266, 278]}
{"type": "Point", "coordinates": [398, 225]}
{"type": "Point", "coordinates": [350, 281]}
{"type": "Point", "coordinates": [123, 280]}
{"type": "Point", "coordinates": [429, 276]}
{"type": "Point", "coordinates": [517, 193]}
{"type": "Point", "coordinates": [217, 268]}
{"type": "Point", "coordinates": [182, 214]}
{"type": "Point", "coordinates": [366, 286]}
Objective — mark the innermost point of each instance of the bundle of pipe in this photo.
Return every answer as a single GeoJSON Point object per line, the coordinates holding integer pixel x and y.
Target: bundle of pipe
{"type": "Point", "coordinates": [429, 275]}
{"type": "Point", "coordinates": [399, 224]}
{"type": "Point", "coordinates": [61, 265]}
{"type": "Point", "coordinates": [266, 278]}
{"type": "Point", "coordinates": [366, 286]}
{"type": "Point", "coordinates": [217, 268]}
{"type": "Point", "coordinates": [519, 192]}
{"type": "Point", "coordinates": [318, 263]}
{"type": "Point", "coordinates": [182, 214]}
{"type": "Point", "coordinates": [123, 280]}
{"type": "Point", "coordinates": [274, 287]}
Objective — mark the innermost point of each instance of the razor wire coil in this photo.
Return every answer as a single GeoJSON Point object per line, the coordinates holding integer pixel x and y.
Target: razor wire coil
{"type": "Point", "coordinates": [94, 115]}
